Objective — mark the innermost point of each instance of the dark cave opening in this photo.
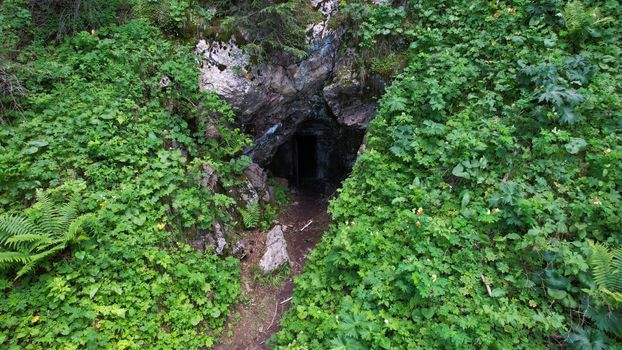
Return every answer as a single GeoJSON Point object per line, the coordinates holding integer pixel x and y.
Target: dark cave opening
{"type": "Point", "coordinates": [318, 156]}
{"type": "Point", "coordinates": [305, 147]}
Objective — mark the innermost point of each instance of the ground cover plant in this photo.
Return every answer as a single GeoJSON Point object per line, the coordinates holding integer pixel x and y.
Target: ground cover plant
{"type": "Point", "coordinates": [484, 213]}
{"type": "Point", "coordinates": [97, 126]}
{"type": "Point", "coordinates": [477, 216]}
{"type": "Point", "coordinates": [105, 140]}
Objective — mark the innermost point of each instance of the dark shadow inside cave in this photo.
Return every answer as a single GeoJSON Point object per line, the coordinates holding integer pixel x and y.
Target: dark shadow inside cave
{"type": "Point", "coordinates": [306, 148]}
{"type": "Point", "coordinates": [318, 156]}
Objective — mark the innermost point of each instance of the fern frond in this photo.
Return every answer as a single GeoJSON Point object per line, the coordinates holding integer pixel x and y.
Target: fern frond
{"type": "Point", "coordinates": [614, 295]}
{"type": "Point", "coordinates": [73, 232]}
{"type": "Point", "coordinates": [8, 259]}
{"type": "Point", "coordinates": [68, 213]}
{"type": "Point", "coordinates": [25, 241]}
{"type": "Point", "coordinates": [83, 224]}
{"type": "Point", "coordinates": [616, 278]}
{"type": "Point", "coordinates": [11, 225]}
{"type": "Point", "coordinates": [251, 215]}
{"type": "Point", "coordinates": [19, 241]}
{"type": "Point", "coordinates": [36, 259]}
{"type": "Point", "coordinates": [49, 222]}
{"type": "Point", "coordinates": [601, 263]}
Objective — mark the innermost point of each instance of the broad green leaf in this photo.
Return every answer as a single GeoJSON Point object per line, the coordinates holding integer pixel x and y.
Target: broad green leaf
{"type": "Point", "coordinates": [576, 145]}
{"type": "Point", "coordinates": [30, 150]}
{"type": "Point", "coordinates": [427, 312]}
{"type": "Point", "coordinates": [458, 171]}
{"type": "Point", "coordinates": [556, 293]}
{"type": "Point", "coordinates": [38, 143]}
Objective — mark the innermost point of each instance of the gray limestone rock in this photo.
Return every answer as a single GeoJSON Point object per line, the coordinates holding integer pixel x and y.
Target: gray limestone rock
{"type": "Point", "coordinates": [258, 177]}
{"type": "Point", "coordinates": [209, 179]}
{"type": "Point", "coordinates": [273, 98]}
{"type": "Point", "coordinates": [276, 251]}
{"type": "Point", "coordinates": [217, 239]}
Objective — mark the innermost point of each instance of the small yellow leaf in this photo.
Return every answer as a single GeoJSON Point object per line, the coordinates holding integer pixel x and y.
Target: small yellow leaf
{"type": "Point", "coordinates": [35, 319]}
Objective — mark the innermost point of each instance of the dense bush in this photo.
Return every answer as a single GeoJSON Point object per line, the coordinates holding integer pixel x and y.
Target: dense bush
{"type": "Point", "coordinates": [262, 27]}
{"type": "Point", "coordinates": [484, 213]}
{"type": "Point", "coordinates": [493, 162]}
{"type": "Point", "coordinates": [99, 123]}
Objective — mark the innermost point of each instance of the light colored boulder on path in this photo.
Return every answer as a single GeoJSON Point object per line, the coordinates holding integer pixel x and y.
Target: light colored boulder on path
{"type": "Point", "coordinates": [276, 251]}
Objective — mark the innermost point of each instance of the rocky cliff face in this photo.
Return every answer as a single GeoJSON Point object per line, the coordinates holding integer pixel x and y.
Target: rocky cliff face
{"type": "Point", "coordinates": [273, 98]}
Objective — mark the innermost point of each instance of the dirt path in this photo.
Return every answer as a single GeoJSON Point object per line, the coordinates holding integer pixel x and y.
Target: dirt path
{"type": "Point", "coordinates": [266, 299]}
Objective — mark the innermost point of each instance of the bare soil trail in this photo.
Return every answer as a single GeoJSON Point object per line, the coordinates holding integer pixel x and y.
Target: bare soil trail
{"type": "Point", "coordinates": [257, 318]}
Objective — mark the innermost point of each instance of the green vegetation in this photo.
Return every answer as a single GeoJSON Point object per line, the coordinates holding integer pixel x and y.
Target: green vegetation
{"type": "Point", "coordinates": [493, 162]}
{"type": "Point", "coordinates": [97, 126]}
{"type": "Point", "coordinates": [102, 123]}
{"type": "Point", "coordinates": [484, 213]}
{"type": "Point", "coordinates": [607, 269]}
{"type": "Point", "coordinates": [47, 230]}
{"type": "Point", "coordinates": [251, 215]}
{"type": "Point", "coordinates": [263, 27]}
{"type": "Point", "coordinates": [274, 279]}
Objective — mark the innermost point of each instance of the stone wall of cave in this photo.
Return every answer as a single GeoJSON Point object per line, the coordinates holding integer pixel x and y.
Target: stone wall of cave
{"type": "Point", "coordinates": [307, 116]}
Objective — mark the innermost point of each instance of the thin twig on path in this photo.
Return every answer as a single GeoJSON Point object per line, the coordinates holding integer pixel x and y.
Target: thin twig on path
{"type": "Point", "coordinates": [307, 225]}
{"type": "Point", "coordinates": [276, 309]}
{"type": "Point", "coordinates": [286, 300]}
{"type": "Point", "coordinates": [273, 318]}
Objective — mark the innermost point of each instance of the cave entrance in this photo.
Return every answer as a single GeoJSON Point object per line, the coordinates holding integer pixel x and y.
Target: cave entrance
{"type": "Point", "coordinates": [306, 158]}
{"type": "Point", "coordinates": [317, 156]}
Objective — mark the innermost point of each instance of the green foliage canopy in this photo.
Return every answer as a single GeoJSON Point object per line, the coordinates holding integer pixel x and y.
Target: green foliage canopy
{"type": "Point", "coordinates": [495, 158]}
{"type": "Point", "coordinates": [98, 122]}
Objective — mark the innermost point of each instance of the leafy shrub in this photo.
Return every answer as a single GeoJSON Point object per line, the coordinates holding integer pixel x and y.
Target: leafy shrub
{"type": "Point", "coordinates": [546, 11]}
{"type": "Point", "coordinates": [16, 26]}
{"type": "Point", "coordinates": [56, 19]}
{"type": "Point", "coordinates": [381, 33]}
{"type": "Point", "coordinates": [180, 18]}
{"type": "Point", "coordinates": [264, 27]}
{"type": "Point", "coordinates": [97, 114]}
{"type": "Point", "coordinates": [388, 66]}
{"type": "Point", "coordinates": [551, 88]}
{"type": "Point", "coordinates": [582, 22]}
{"type": "Point", "coordinates": [270, 26]}
{"type": "Point", "coordinates": [466, 222]}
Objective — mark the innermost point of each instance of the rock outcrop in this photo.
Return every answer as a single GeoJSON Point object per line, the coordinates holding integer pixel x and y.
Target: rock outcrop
{"type": "Point", "coordinates": [257, 178]}
{"type": "Point", "coordinates": [218, 238]}
{"type": "Point", "coordinates": [209, 179]}
{"type": "Point", "coordinates": [276, 251]}
{"type": "Point", "coordinates": [343, 95]}
{"type": "Point", "coordinates": [215, 238]}
{"type": "Point", "coordinates": [273, 98]}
